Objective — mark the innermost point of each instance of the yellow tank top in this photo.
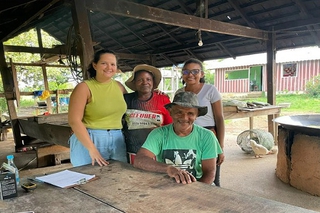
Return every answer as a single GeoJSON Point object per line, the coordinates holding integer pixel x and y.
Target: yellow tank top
{"type": "Point", "coordinates": [107, 105]}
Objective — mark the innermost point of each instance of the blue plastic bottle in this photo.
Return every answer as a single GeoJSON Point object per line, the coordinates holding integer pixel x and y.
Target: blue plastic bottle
{"type": "Point", "coordinates": [11, 163]}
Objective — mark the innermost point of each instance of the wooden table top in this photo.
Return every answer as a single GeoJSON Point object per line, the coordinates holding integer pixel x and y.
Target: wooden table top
{"type": "Point", "coordinates": [122, 188]}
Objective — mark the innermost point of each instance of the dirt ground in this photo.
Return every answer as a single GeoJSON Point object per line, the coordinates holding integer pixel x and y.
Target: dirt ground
{"type": "Point", "coordinates": [256, 176]}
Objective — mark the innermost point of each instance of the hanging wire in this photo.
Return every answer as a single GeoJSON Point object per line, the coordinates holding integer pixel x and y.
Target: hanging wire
{"type": "Point", "coordinates": [72, 48]}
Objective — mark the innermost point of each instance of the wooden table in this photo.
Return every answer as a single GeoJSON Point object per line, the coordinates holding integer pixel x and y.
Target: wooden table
{"type": "Point", "coordinates": [271, 111]}
{"type": "Point", "coordinates": [122, 188]}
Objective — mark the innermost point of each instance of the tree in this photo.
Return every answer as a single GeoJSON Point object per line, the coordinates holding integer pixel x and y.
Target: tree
{"type": "Point", "coordinates": [31, 77]}
{"type": "Point", "coordinates": [209, 75]}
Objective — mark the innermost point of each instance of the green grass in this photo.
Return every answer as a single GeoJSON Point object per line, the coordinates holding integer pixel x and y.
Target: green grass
{"type": "Point", "coordinates": [299, 103]}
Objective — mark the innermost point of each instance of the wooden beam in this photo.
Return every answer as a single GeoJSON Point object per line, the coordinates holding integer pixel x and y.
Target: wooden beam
{"type": "Point", "coordinates": [83, 33]}
{"type": "Point", "coordinates": [15, 82]}
{"type": "Point", "coordinates": [8, 85]}
{"type": "Point", "coordinates": [46, 86]}
{"type": "Point", "coordinates": [61, 50]}
{"type": "Point", "coordinates": [40, 64]}
{"type": "Point", "coordinates": [271, 69]}
{"type": "Point", "coordinates": [139, 11]}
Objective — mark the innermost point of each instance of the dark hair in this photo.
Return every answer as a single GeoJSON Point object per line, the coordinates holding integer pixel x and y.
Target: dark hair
{"type": "Point", "coordinates": [92, 72]}
{"type": "Point", "coordinates": [194, 61]}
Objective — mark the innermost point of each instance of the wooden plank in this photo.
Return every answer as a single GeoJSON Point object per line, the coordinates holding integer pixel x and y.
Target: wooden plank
{"type": "Point", "coordinates": [157, 15]}
{"type": "Point", "coordinates": [52, 133]}
{"type": "Point", "coordinates": [230, 109]}
{"type": "Point", "coordinates": [133, 190]}
{"type": "Point", "coordinates": [46, 86]}
{"type": "Point", "coordinates": [15, 82]}
{"type": "Point", "coordinates": [83, 32]}
{"type": "Point", "coordinates": [52, 155]}
{"type": "Point", "coordinates": [47, 198]}
{"type": "Point", "coordinates": [8, 86]}
{"type": "Point", "coordinates": [53, 118]}
{"type": "Point", "coordinates": [245, 114]}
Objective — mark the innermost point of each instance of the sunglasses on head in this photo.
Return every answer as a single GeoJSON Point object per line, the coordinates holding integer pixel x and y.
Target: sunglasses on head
{"type": "Point", "coordinates": [193, 72]}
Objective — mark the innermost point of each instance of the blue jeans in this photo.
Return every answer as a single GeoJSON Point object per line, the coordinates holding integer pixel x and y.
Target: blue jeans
{"type": "Point", "coordinates": [110, 144]}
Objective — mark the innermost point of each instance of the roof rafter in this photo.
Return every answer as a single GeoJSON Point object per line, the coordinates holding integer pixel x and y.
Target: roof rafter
{"type": "Point", "coordinates": [61, 50]}
{"type": "Point", "coordinates": [236, 6]}
{"type": "Point", "coordinates": [34, 16]}
{"type": "Point", "coordinates": [304, 13]}
{"type": "Point", "coordinates": [225, 49]}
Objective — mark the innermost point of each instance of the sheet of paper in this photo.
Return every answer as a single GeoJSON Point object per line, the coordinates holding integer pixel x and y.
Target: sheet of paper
{"type": "Point", "coordinates": [65, 178]}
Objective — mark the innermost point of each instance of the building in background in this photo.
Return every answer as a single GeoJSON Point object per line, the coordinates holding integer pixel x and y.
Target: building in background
{"type": "Point", "coordinates": [294, 68]}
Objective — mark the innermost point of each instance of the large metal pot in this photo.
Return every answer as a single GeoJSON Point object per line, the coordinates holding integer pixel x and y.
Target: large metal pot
{"type": "Point", "coordinates": [307, 124]}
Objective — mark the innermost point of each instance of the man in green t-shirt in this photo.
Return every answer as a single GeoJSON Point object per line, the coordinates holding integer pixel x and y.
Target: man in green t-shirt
{"type": "Point", "coordinates": [183, 150]}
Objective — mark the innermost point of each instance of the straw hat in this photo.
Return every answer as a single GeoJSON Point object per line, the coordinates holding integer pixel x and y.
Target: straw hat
{"type": "Point", "coordinates": [145, 67]}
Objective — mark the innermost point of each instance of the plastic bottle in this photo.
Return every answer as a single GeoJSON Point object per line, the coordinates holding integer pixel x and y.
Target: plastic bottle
{"type": "Point", "coordinates": [11, 163]}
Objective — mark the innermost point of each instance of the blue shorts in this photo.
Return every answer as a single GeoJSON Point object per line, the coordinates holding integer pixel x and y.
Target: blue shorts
{"type": "Point", "coordinates": [110, 144]}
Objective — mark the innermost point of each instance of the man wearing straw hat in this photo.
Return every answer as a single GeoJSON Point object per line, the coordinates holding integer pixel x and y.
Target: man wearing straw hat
{"type": "Point", "coordinates": [183, 150]}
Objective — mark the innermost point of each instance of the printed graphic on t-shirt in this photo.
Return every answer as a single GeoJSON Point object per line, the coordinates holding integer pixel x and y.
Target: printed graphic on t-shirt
{"type": "Point", "coordinates": [182, 158]}
{"type": "Point", "coordinates": [139, 119]}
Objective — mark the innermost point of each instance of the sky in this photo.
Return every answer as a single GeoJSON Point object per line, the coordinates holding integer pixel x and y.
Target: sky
{"type": "Point", "coordinates": [297, 54]}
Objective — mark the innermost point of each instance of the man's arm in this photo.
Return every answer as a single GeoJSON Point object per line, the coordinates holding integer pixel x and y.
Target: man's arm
{"type": "Point", "coordinates": [208, 170]}
{"type": "Point", "coordinates": [145, 160]}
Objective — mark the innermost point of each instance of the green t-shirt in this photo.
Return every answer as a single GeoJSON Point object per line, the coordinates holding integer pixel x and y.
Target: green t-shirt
{"type": "Point", "coordinates": [183, 152]}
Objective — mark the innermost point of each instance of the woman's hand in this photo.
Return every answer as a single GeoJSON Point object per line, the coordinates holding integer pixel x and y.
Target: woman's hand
{"type": "Point", "coordinates": [159, 92]}
{"type": "Point", "coordinates": [96, 157]}
{"type": "Point", "coordinates": [220, 159]}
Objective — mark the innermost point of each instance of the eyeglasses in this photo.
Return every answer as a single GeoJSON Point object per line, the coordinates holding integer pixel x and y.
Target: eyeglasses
{"type": "Point", "coordinates": [193, 72]}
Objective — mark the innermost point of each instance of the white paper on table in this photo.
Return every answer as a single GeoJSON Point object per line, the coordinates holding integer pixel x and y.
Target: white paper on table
{"type": "Point", "coordinates": [65, 178]}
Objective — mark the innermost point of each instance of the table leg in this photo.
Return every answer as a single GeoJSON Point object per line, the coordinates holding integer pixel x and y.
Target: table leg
{"type": "Point", "coordinates": [271, 126]}
{"type": "Point", "coordinates": [251, 123]}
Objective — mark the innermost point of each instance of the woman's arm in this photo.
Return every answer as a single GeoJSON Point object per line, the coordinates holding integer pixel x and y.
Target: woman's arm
{"type": "Point", "coordinates": [78, 100]}
{"type": "Point", "coordinates": [123, 89]}
{"type": "Point", "coordinates": [217, 110]}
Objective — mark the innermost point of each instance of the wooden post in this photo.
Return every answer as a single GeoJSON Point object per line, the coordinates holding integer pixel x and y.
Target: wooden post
{"type": "Point", "coordinates": [271, 81]}
{"type": "Point", "coordinates": [57, 101]}
{"type": "Point", "coordinates": [8, 86]}
{"type": "Point", "coordinates": [83, 33]}
{"type": "Point", "coordinates": [46, 86]}
{"type": "Point", "coordinates": [15, 82]}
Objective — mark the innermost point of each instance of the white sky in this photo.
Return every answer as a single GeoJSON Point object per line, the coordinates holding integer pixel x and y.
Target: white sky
{"type": "Point", "coordinates": [298, 54]}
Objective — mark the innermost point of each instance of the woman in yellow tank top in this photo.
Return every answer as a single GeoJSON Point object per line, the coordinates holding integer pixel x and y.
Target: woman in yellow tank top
{"type": "Point", "coordinates": [95, 111]}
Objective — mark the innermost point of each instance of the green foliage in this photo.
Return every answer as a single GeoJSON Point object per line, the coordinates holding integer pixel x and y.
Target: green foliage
{"type": "Point", "coordinates": [209, 77]}
{"type": "Point", "coordinates": [313, 87]}
{"type": "Point", "coordinates": [31, 77]}
{"type": "Point", "coordinates": [209, 74]}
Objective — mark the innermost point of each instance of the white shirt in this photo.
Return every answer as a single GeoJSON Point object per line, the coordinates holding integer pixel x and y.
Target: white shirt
{"type": "Point", "coordinates": [207, 96]}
